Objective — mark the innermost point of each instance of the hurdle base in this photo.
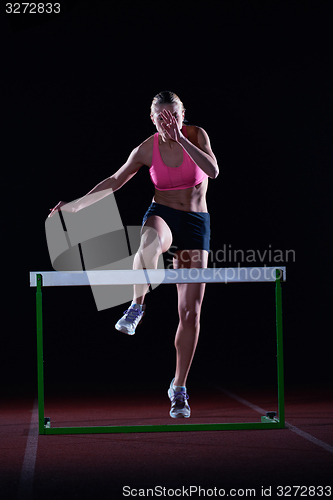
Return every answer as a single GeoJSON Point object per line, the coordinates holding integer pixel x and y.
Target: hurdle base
{"type": "Point", "coordinates": [266, 419]}
{"type": "Point", "coordinates": [266, 423]}
{"type": "Point", "coordinates": [47, 422]}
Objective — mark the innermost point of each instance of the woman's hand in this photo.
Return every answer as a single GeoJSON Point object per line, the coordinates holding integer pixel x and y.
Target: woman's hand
{"type": "Point", "coordinates": [170, 126]}
{"type": "Point", "coordinates": [67, 207]}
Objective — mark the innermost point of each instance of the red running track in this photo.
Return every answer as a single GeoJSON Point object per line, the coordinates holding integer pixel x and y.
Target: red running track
{"type": "Point", "coordinates": [237, 463]}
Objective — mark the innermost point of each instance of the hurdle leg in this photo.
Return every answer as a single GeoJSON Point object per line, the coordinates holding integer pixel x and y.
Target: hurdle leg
{"type": "Point", "coordinates": [40, 359]}
{"type": "Point", "coordinates": [279, 343]}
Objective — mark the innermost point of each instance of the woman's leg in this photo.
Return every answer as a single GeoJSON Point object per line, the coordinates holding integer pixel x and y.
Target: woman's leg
{"type": "Point", "coordinates": [156, 239]}
{"type": "Point", "coordinates": [190, 297]}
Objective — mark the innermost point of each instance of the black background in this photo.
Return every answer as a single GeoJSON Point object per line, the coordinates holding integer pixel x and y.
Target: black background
{"type": "Point", "coordinates": [76, 95]}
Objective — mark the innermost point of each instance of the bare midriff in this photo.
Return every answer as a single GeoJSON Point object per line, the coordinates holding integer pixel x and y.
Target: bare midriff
{"type": "Point", "coordinates": [189, 200]}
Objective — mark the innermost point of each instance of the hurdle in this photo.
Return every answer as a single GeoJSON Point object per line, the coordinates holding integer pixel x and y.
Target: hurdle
{"type": "Point", "coordinates": [41, 279]}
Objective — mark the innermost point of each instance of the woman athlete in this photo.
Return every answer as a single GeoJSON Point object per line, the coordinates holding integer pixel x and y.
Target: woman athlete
{"type": "Point", "coordinates": [180, 160]}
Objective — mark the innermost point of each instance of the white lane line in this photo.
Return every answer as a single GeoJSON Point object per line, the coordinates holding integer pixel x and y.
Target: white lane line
{"type": "Point", "coordinates": [292, 428]}
{"type": "Point", "coordinates": [243, 401]}
{"type": "Point", "coordinates": [29, 461]}
{"type": "Point", "coordinates": [307, 436]}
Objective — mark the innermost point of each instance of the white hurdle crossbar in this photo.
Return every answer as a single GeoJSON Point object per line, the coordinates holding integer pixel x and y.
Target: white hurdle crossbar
{"type": "Point", "coordinates": [161, 276]}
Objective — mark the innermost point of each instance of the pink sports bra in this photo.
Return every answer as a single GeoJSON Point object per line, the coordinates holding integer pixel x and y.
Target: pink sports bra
{"type": "Point", "coordinates": [168, 178]}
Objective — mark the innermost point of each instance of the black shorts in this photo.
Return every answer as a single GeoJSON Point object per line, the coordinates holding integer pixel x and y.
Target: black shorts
{"type": "Point", "coordinates": [190, 230]}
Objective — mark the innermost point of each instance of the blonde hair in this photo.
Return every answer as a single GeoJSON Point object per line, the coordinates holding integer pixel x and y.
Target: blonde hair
{"type": "Point", "coordinates": [165, 97]}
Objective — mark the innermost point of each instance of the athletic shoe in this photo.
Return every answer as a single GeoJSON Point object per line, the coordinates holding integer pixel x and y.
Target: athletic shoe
{"type": "Point", "coordinates": [179, 405]}
{"type": "Point", "coordinates": [131, 319]}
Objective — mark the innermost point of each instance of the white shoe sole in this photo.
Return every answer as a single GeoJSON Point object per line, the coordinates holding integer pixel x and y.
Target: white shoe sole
{"type": "Point", "coordinates": [179, 415]}
{"type": "Point", "coordinates": [123, 330]}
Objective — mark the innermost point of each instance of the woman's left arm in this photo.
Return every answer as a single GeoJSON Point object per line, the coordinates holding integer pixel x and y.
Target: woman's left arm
{"type": "Point", "coordinates": [201, 154]}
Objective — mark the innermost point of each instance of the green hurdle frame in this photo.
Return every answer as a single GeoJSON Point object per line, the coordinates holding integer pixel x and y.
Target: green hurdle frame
{"type": "Point", "coordinates": [270, 421]}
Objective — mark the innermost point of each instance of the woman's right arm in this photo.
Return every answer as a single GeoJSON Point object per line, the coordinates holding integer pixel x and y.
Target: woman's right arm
{"type": "Point", "coordinates": [135, 161]}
